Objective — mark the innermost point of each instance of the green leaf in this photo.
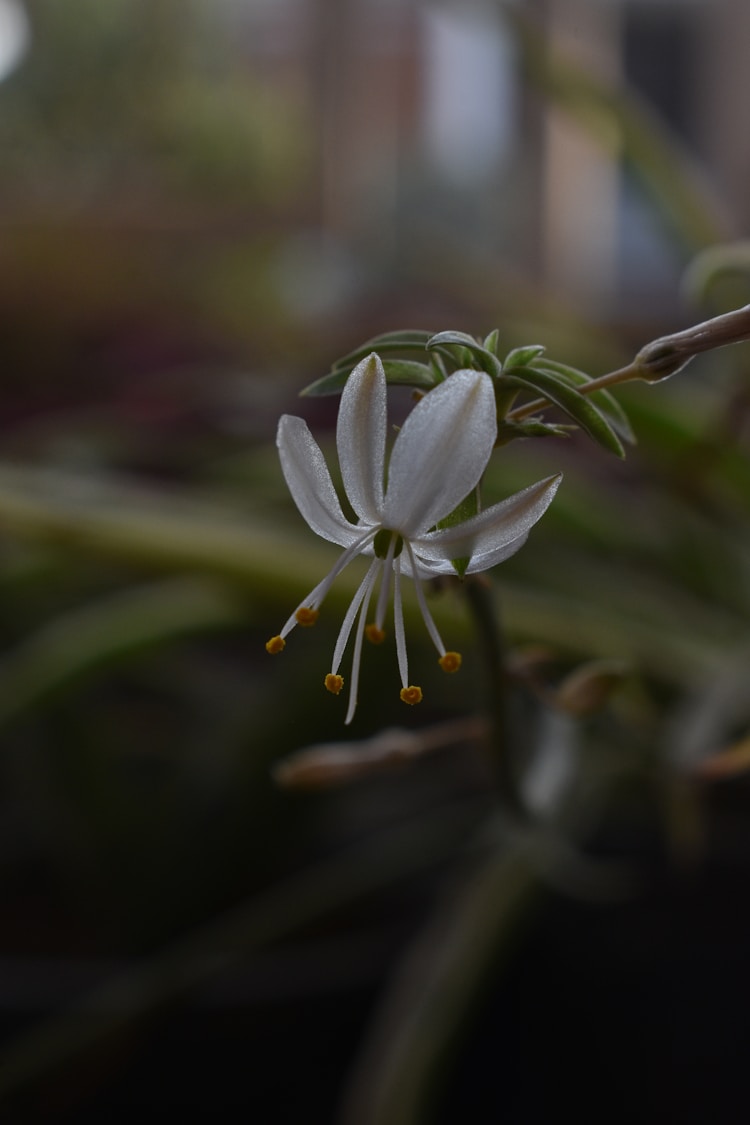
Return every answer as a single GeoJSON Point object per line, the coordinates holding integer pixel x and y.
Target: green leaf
{"type": "Point", "coordinates": [520, 357]}
{"type": "Point", "coordinates": [446, 342]}
{"type": "Point", "coordinates": [531, 427]}
{"type": "Point", "coordinates": [90, 638]}
{"type": "Point", "coordinates": [406, 339]}
{"type": "Point", "coordinates": [604, 400]}
{"type": "Point", "coordinates": [398, 372]}
{"type": "Point", "coordinates": [555, 388]}
{"type": "Point", "coordinates": [492, 341]}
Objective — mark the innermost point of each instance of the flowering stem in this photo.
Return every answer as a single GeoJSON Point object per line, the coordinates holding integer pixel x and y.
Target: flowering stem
{"type": "Point", "coordinates": [662, 357]}
{"type": "Point", "coordinates": [491, 640]}
{"type": "Point", "coordinates": [622, 375]}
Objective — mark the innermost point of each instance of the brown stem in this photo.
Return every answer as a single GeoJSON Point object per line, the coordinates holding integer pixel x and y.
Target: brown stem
{"type": "Point", "coordinates": [662, 357]}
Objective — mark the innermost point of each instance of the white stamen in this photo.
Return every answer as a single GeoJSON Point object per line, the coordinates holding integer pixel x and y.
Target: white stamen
{"type": "Point", "coordinates": [426, 615]}
{"type": "Point", "coordinates": [385, 585]}
{"type": "Point", "coordinates": [363, 590]}
{"type": "Point", "coordinates": [316, 597]}
{"type": "Point", "coordinates": [357, 657]}
{"type": "Point", "coordinates": [398, 622]}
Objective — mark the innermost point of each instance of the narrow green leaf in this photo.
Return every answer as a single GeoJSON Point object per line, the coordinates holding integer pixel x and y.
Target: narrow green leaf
{"type": "Point", "coordinates": [452, 336]}
{"type": "Point", "coordinates": [398, 372]}
{"type": "Point", "coordinates": [406, 339]}
{"type": "Point", "coordinates": [559, 391]}
{"type": "Point", "coordinates": [88, 639]}
{"type": "Point", "coordinates": [448, 340]}
{"type": "Point", "coordinates": [509, 431]}
{"type": "Point", "coordinates": [610, 407]}
{"type": "Point", "coordinates": [520, 357]}
{"type": "Point", "coordinates": [492, 341]}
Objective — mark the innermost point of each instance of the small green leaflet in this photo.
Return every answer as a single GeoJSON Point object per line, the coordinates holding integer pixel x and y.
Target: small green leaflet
{"type": "Point", "coordinates": [559, 391]}
{"type": "Point", "coordinates": [520, 357]}
{"type": "Point", "coordinates": [447, 343]}
{"type": "Point", "coordinates": [405, 340]}
{"type": "Point", "coordinates": [606, 402]}
{"type": "Point", "coordinates": [398, 372]}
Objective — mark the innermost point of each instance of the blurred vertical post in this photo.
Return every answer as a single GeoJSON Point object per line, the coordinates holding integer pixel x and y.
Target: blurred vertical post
{"type": "Point", "coordinates": [724, 84]}
{"type": "Point", "coordinates": [580, 175]}
{"type": "Point", "coordinates": [360, 80]}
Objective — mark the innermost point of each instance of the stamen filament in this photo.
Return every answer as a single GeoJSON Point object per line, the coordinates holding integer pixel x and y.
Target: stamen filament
{"type": "Point", "coordinates": [385, 585]}
{"type": "Point", "coordinates": [398, 624]}
{"type": "Point", "coordinates": [426, 615]}
{"type": "Point", "coordinates": [359, 635]}
{"type": "Point", "coordinates": [315, 598]}
{"type": "Point", "coordinates": [363, 590]}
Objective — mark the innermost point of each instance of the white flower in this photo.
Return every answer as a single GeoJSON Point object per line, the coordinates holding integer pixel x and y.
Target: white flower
{"type": "Point", "coordinates": [438, 458]}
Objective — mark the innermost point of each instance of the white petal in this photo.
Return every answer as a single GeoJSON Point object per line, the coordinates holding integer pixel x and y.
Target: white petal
{"type": "Point", "coordinates": [497, 555]}
{"type": "Point", "coordinates": [487, 534]}
{"type": "Point", "coordinates": [441, 452]}
{"type": "Point", "coordinates": [360, 437]}
{"type": "Point", "coordinates": [309, 482]}
{"type": "Point", "coordinates": [425, 570]}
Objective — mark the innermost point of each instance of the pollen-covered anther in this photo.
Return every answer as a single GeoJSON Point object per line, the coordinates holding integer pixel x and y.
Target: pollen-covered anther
{"type": "Point", "coordinates": [334, 683]}
{"type": "Point", "coordinates": [450, 661]}
{"type": "Point", "coordinates": [276, 644]}
{"type": "Point", "coordinates": [374, 634]}
{"type": "Point", "coordinates": [411, 695]}
{"type": "Point", "coordinates": [306, 616]}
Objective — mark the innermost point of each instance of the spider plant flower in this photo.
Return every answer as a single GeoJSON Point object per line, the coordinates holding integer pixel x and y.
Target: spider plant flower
{"type": "Point", "coordinates": [438, 458]}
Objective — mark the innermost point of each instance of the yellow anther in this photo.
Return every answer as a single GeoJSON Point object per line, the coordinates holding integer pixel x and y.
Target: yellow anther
{"type": "Point", "coordinates": [334, 683]}
{"type": "Point", "coordinates": [306, 616]}
{"type": "Point", "coordinates": [276, 644]}
{"type": "Point", "coordinates": [374, 635]}
{"type": "Point", "coordinates": [450, 661]}
{"type": "Point", "coordinates": [411, 695]}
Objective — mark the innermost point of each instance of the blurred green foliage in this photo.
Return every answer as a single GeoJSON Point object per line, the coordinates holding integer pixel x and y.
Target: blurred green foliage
{"type": "Point", "coordinates": [137, 99]}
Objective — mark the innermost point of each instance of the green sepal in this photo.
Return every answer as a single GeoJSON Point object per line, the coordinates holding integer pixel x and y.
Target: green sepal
{"type": "Point", "coordinates": [559, 391]}
{"type": "Point", "coordinates": [468, 507]}
{"type": "Point", "coordinates": [603, 399]}
{"type": "Point", "coordinates": [448, 342]}
{"type": "Point", "coordinates": [460, 565]}
{"type": "Point", "coordinates": [520, 357]}
{"type": "Point", "coordinates": [398, 372]}
{"type": "Point", "coordinates": [382, 542]}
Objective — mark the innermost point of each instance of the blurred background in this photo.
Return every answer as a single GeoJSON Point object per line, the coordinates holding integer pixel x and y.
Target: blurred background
{"type": "Point", "coordinates": [202, 204]}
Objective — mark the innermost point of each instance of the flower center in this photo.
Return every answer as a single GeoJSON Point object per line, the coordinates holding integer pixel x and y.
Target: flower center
{"type": "Point", "coordinates": [382, 542]}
